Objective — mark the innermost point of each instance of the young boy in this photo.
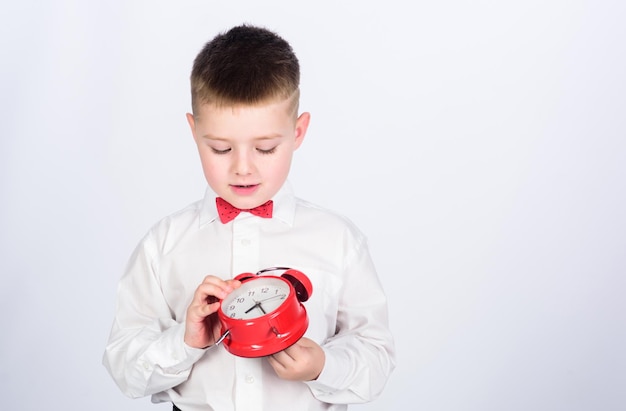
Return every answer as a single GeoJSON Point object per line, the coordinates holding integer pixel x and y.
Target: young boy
{"type": "Point", "coordinates": [164, 339]}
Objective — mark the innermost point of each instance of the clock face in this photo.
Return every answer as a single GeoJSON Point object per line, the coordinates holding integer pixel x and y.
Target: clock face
{"type": "Point", "coordinates": [255, 298]}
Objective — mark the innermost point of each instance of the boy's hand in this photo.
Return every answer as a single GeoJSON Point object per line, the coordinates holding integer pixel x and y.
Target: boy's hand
{"type": "Point", "coordinates": [303, 361]}
{"type": "Point", "coordinates": [202, 327]}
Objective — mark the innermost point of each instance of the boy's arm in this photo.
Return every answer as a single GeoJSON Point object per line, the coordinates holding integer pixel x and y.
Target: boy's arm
{"type": "Point", "coordinates": [146, 353]}
{"type": "Point", "coordinates": [360, 357]}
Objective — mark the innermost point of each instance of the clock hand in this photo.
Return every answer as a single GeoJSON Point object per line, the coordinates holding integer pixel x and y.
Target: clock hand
{"type": "Point", "coordinates": [281, 296]}
{"type": "Point", "coordinates": [256, 305]}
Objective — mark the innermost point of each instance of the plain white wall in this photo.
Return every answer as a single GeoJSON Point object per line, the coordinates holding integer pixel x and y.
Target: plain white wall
{"type": "Point", "coordinates": [487, 138]}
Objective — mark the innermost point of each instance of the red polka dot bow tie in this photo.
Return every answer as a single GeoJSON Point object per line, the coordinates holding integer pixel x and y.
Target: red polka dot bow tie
{"type": "Point", "coordinates": [228, 212]}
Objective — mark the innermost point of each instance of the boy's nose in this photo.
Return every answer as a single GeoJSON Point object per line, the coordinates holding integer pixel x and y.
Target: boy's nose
{"type": "Point", "coordinates": [243, 163]}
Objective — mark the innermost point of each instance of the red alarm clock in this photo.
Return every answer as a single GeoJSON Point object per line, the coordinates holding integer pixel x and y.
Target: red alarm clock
{"type": "Point", "coordinates": [265, 315]}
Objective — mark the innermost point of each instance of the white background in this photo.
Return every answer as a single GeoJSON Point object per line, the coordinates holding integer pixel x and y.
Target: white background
{"type": "Point", "coordinates": [480, 145]}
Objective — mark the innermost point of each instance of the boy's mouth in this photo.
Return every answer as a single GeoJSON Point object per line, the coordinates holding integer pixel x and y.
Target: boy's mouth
{"type": "Point", "coordinates": [244, 189]}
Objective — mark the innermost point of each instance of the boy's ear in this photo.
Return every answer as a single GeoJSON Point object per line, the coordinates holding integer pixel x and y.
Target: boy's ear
{"type": "Point", "coordinates": [302, 124]}
{"type": "Point", "coordinates": [192, 124]}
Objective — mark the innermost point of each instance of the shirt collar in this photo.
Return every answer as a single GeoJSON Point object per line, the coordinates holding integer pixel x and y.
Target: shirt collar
{"type": "Point", "coordinates": [284, 205]}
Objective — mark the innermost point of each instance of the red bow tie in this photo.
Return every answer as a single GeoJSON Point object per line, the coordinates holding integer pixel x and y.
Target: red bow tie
{"type": "Point", "coordinates": [228, 211]}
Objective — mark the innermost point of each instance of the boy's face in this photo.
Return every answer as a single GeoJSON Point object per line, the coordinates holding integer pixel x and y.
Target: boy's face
{"type": "Point", "coordinates": [246, 151]}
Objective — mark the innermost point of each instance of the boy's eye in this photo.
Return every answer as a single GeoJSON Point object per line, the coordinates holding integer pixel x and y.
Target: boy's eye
{"type": "Point", "coordinates": [216, 151]}
{"type": "Point", "coordinates": [266, 151]}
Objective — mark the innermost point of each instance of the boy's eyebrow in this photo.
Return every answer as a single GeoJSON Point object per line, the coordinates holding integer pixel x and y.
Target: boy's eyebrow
{"type": "Point", "coordinates": [211, 137]}
{"type": "Point", "coordinates": [266, 137]}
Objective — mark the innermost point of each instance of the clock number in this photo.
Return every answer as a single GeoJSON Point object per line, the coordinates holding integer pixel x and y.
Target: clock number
{"type": "Point", "coordinates": [240, 300]}
{"type": "Point", "coordinates": [250, 293]}
{"type": "Point", "coordinates": [265, 290]}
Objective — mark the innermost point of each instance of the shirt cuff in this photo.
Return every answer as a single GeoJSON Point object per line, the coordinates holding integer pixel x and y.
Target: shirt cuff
{"type": "Point", "coordinates": [331, 377]}
{"type": "Point", "coordinates": [179, 357]}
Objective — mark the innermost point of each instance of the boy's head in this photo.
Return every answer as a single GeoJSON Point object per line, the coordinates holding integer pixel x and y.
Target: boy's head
{"type": "Point", "coordinates": [248, 66]}
{"type": "Point", "coordinates": [245, 94]}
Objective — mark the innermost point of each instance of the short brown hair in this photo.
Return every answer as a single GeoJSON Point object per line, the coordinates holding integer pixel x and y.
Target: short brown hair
{"type": "Point", "coordinates": [246, 65]}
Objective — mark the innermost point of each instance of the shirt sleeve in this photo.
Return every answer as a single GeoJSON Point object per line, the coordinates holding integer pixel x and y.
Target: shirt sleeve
{"type": "Point", "coordinates": [146, 352]}
{"type": "Point", "coordinates": [361, 355]}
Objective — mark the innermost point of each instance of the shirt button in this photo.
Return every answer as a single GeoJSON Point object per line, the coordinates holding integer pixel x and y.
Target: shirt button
{"type": "Point", "coordinates": [146, 366]}
{"type": "Point", "coordinates": [245, 242]}
{"type": "Point", "coordinates": [249, 379]}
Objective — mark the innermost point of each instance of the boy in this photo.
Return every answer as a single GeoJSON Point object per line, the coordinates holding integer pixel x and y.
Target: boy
{"type": "Point", "coordinates": [164, 339]}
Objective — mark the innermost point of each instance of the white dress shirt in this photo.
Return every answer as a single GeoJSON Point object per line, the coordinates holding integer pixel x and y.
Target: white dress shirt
{"type": "Point", "coordinates": [146, 354]}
